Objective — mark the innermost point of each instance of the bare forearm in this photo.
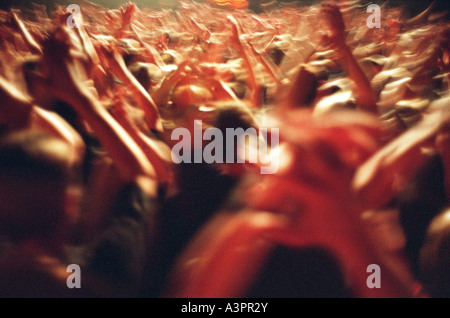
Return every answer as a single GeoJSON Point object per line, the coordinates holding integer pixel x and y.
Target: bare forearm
{"type": "Point", "coordinates": [55, 125]}
{"type": "Point", "coordinates": [244, 51]}
{"type": "Point", "coordinates": [143, 99]}
{"type": "Point", "coordinates": [356, 253]}
{"type": "Point", "coordinates": [128, 157]}
{"type": "Point", "coordinates": [157, 153]}
{"type": "Point", "coordinates": [270, 68]}
{"type": "Point", "coordinates": [365, 97]}
{"type": "Point", "coordinates": [380, 178]}
{"type": "Point", "coordinates": [333, 18]}
{"type": "Point", "coordinates": [27, 37]}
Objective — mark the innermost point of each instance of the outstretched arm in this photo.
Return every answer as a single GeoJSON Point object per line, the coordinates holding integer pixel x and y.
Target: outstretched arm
{"type": "Point", "coordinates": [364, 95]}
{"type": "Point", "coordinates": [256, 97]}
{"type": "Point", "coordinates": [157, 151]}
{"type": "Point", "coordinates": [17, 112]}
{"type": "Point", "coordinates": [27, 37]}
{"type": "Point", "coordinates": [69, 80]}
{"type": "Point", "coordinates": [117, 66]}
{"type": "Point", "coordinates": [383, 175]}
{"type": "Point", "coordinates": [307, 204]}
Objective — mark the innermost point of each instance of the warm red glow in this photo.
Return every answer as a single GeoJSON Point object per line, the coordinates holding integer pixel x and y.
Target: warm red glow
{"type": "Point", "coordinates": [237, 4]}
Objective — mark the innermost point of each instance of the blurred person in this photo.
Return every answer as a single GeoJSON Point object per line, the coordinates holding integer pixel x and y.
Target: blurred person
{"type": "Point", "coordinates": [116, 255]}
{"type": "Point", "coordinates": [113, 90]}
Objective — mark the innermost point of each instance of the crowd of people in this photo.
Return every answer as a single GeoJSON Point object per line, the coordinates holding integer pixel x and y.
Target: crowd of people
{"type": "Point", "coordinates": [90, 98]}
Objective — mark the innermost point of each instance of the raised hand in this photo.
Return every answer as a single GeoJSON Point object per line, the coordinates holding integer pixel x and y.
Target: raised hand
{"type": "Point", "coordinates": [381, 177]}
{"type": "Point", "coordinates": [334, 21]}
{"type": "Point", "coordinates": [67, 65]}
{"type": "Point", "coordinates": [116, 65]}
{"type": "Point", "coordinates": [313, 188]}
{"type": "Point", "coordinates": [127, 14]}
{"type": "Point", "coordinates": [308, 202]}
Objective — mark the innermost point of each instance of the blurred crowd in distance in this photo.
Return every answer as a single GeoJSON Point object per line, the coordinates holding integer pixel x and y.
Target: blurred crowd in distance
{"type": "Point", "coordinates": [89, 99]}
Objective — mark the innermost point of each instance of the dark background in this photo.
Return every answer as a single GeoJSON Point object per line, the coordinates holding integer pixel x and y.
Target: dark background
{"type": "Point", "coordinates": [414, 6]}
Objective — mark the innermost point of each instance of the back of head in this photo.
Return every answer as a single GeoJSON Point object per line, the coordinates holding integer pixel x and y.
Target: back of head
{"type": "Point", "coordinates": [233, 116]}
{"type": "Point", "coordinates": [33, 178]}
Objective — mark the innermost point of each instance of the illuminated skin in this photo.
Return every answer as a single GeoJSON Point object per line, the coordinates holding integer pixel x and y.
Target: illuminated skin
{"type": "Point", "coordinates": [190, 95]}
{"type": "Point", "coordinates": [342, 162]}
{"type": "Point", "coordinates": [300, 215]}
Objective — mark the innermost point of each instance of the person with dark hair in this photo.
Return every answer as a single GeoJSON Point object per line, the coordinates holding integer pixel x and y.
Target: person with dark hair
{"type": "Point", "coordinates": [35, 177]}
{"type": "Point", "coordinates": [89, 161]}
{"type": "Point", "coordinates": [306, 204]}
{"type": "Point", "coordinates": [34, 219]}
{"type": "Point", "coordinates": [202, 190]}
